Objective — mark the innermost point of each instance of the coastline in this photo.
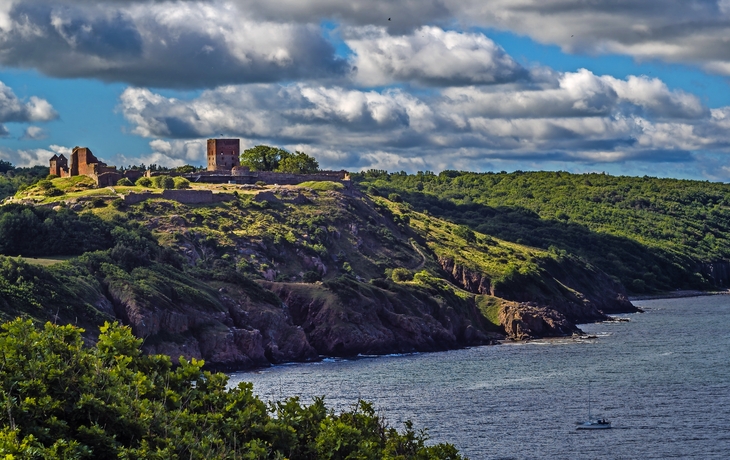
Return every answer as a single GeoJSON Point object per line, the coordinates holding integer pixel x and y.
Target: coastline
{"type": "Point", "coordinates": [677, 294]}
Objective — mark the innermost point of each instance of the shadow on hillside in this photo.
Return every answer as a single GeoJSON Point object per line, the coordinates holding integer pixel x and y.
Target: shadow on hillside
{"type": "Point", "coordinates": [638, 267]}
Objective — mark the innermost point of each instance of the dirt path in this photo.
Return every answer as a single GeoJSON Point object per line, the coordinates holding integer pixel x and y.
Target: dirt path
{"type": "Point", "coordinates": [424, 259]}
{"type": "Point", "coordinates": [423, 256]}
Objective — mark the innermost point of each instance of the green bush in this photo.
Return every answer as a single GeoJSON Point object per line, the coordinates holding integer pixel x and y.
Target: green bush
{"type": "Point", "coordinates": [395, 198]}
{"type": "Point", "coordinates": [144, 182]}
{"type": "Point", "coordinates": [97, 202]}
{"type": "Point", "coordinates": [124, 182]}
{"type": "Point", "coordinates": [181, 183]}
{"type": "Point", "coordinates": [45, 184]}
{"type": "Point", "coordinates": [311, 276]}
{"type": "Point", "coordinates": [164, 182]}
{"type": "Point", "coordinates": [118, 203]}
{"type": "Point", "coordinates": [638, 285]}
{"type": "Point", "coordinates": [52, 191]}
{"type": "Point", "coordinates": [465, 232]}
{"type": "Point", "coordinates": [62, 399]}
{"type": "Point", "coordinates": [400, 275]}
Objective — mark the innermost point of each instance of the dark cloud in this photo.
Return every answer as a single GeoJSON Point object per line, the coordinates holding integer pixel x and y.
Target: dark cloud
{"type": "Point", "coordinates": [204, 43]}
{"type": "Point", "coordinates": [182, 45]}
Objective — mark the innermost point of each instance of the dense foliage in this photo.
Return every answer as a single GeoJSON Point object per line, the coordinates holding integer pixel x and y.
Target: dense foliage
{"type": "Point", "coordinates": [34, 231]}
{"type": "Point", "coordinates": [13, 179]}
{"type": "Point", "coordinates": [62, 400]}
{"type": "Point", "coordinates": [266, 158]}
{"type": "Point", "coordinates": [649, 233]}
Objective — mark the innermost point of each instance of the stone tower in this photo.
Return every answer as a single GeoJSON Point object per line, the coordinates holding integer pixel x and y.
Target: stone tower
{"type": "Point", "coordinates": [59, 165]}
{"type": "Point", "coordinates": [223, 154]}
{"type": "Point", "coordinates": [83, 162]}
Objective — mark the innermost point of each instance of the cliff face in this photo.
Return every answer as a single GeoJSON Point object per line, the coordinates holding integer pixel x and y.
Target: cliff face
{"type": "Point", "coordinates": [549, 303]}
{"type": "Point", "coordinates": [345, 316]}
{"type": "Point", "coordinates": [238, 332]}
{"type": "Point", "coordinates": [529, 321]}
{"type": "Point", "coordinates": [241, 335]}
{"type": "Point", "coordinates": [376, 321]}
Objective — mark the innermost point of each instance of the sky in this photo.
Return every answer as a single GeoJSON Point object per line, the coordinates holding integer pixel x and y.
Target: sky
{"type": "Point", "coordinates": [619, 86]}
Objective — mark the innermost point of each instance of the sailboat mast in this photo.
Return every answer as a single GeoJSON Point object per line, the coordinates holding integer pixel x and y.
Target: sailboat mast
{"type": "Point", "coordinates": [589, 400]}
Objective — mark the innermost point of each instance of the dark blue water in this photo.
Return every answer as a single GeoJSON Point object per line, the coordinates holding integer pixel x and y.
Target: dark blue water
{"type": "Point", "coordinates": [663, 379]}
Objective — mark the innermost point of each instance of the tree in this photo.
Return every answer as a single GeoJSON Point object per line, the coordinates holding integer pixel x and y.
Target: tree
{"type": "Point", "coordinates": [185, 169]}
{"type": "Point", "coordinates": [263, 158]}
{"type": "Point", "coordinates": [5, 166]}
{"type": "Point", "coordinates": [298, 163]}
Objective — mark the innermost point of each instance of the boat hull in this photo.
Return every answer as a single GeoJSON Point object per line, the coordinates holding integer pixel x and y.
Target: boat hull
{"type": "Point", "coordinates": [593, 426]}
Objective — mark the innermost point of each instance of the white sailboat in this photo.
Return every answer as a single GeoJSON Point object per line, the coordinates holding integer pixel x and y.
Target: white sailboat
{"type": "Point", "coordinates": [592, 423]}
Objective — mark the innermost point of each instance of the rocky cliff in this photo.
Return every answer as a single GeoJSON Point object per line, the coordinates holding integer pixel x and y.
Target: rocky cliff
{"type": "Point", "coordinates": [293, 274]}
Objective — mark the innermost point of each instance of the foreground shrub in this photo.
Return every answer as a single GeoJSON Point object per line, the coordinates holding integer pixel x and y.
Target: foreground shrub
{"type": "Point", "coordinates": [165, 182]}
{"type": "Point", "coordinates": [181, 183]}
{"type": "Point", "coordinates": [62, 400]}
{"type": "Point", "coordinates": [52, 191]}
{"type": "Point", "coordinates": [144, 182]}
{"type": "Point", "coordinates": [311, 276]}
{"type": "Point", "coordinates": [401, 275]}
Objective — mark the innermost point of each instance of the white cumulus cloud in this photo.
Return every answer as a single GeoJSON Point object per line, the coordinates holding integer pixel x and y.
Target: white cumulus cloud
{"type": "Point", "coordinates": [431, 56]}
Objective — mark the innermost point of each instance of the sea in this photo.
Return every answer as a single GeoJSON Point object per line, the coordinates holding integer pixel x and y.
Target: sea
{"type": "Point", "coordinates": [661, 377]}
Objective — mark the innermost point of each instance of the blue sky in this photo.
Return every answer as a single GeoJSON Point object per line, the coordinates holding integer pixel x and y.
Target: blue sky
{"type": "Point", "coordinates": [556, 84]}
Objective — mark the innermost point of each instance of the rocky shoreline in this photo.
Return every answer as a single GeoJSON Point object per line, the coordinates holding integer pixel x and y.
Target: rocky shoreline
{"type": "Point", "coordinates": [678, 294]}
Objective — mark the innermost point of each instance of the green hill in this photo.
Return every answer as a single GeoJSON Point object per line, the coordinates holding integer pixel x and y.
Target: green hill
{"type": "Point", "coordinates": [284, 274]}
{"type": "Point", "coordinates": [651, 234]}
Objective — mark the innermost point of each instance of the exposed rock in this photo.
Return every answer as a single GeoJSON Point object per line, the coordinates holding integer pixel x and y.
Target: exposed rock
{"type": "Point", "coordinates": [269, 274]}
{"type": "Point", "coordinates": [525, 321]}
{"type": "Point", "coordinates": [377, 324]}
{"type": "Point", "coordinates": [579, 293]}
{"type": "Point", "coordinates": [250, 334]}
{"type": "Point", "coordinates": [266, 196]}
{"type": "Point", "coordinates": [178, 221]}
{"type": "Point", "coordinates": [470, 280]}
{"type": "Point", "coordinates": [312, 263]}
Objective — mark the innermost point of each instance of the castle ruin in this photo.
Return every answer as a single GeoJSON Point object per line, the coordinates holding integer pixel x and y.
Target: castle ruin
{"type": "Point", "coordinates": [84, 163]}
{"type": "Point", "coordinates": [224, 154]}
{"type": "Point", "coordinates": [224, 167]}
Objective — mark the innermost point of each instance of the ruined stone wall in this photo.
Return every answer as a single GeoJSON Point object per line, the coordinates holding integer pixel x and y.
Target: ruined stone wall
{"type": "Point", "coordinates": [134, 198]}
{"type": "Point", "coordinates": [294, 179]}
{"type": "Point", "coordinates": [189, 196]}
{"type": "Point", "coordinates": [107, 179]}
{"type": "Point", "coordinates": [133, 174]}
{"type": "Point", "coordinates": [181, 196]}
{"type": "Point", "coordinates": [240, 176]}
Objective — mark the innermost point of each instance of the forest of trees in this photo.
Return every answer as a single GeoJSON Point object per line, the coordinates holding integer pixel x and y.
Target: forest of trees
{"type": "Point", "coordinates": [12, 179]}
{"type": "Point", "coordinates": [650, 233]}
